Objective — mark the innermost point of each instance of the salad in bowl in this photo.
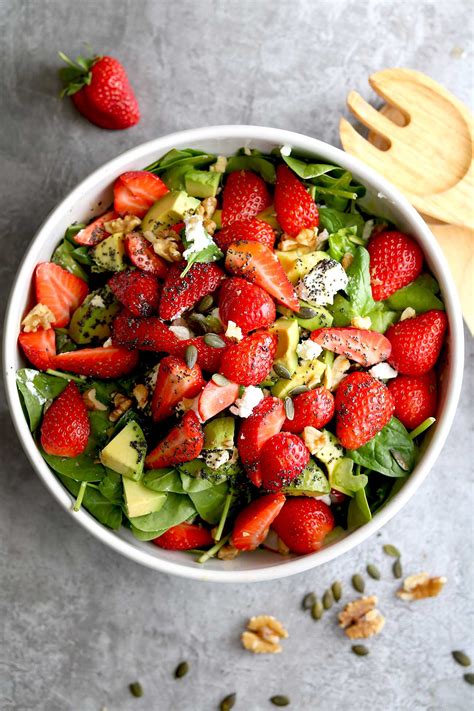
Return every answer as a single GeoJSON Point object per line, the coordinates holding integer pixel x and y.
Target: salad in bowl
{"type": "Point", "coordinates": [236, 354]}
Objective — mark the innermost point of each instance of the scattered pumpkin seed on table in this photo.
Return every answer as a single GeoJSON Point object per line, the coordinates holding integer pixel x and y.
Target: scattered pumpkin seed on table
{"type": "Point", "coordinates": [214, 341]}
{"type": "Point", "coordinates": [328, 600]}
{"type": "Point", "coordinates": [308, 601]}
{"type": "Point", "coordinates": [469, 677]}
{"type": "Point", "coordinates": [358, 583]}
{"type": "Point", "coordinates": [289, 408]}
{"type": "Point", "coordinates": [317, 610]}
{"type": "Point", "coordinates": [228, 702]}
{"type": "Point", "coordinates": [136, 689]}
{"type": "Point", "coordinates": [360, 649]}
{"type": "Point", "coordinates": [336, 588]}
{"type": "Point", "coordinates": [397, 568]}
{"type": "Point", "coordinates": [181, 670]}
{"type": "Point", "coordinates": [373, 571]}
{"type": "Point", "coordinates": [461, 658]}
{"type": "Point", "coordinates": [391, 550]}
{"type": "Point", "coordinates": [280, 700]}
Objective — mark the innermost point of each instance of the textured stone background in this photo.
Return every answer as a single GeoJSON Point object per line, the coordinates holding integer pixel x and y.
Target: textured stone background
{"type": "Point", "coordinates": [80, 622]}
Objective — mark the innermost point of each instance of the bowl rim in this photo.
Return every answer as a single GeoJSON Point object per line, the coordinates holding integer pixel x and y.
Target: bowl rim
{"type": "Point", "coordinates": [246, 134]}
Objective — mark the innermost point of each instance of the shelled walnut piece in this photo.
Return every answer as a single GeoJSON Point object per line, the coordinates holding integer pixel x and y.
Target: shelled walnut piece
{"type": "Point", "coordinates": [263, 635]}
{"type": "Point", "coordinates": [40, 316]}
{"type": "Point", "coordinates": [360, 619]}
{"type": "Point", "coordinates": [122, 403]}
{"type": "Point", "coordinates": [122, 224]}
{"type": "Point", "coordinates": [417, 587]}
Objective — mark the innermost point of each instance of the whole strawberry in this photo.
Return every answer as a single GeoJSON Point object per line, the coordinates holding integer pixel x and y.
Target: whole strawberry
{"type": "Point", "coordinates": [249, 361]}
{"type": "Point", "coordinates": [364, 405]}
{"type": "Point", "coordinates": [295, 208]}
{"type": "Point", "coordinates": [182, 293]}
{"type": "Point", "coordinates": [245, 194]}
{"type": "Point", "coordinates": [303, 524]}
{"type": "Point", "coordinates": [65, 429]}
{"type": "Point", "coordinates": [138, 291]}
{"type": "Point", "coordinates": [100, 91]}
{"type": "Point", "coordinates": [395, 261]}
{"type": "Point", "coordinates": [282, 459]}
{"type": "Point", "coordinates": [416, 342]}
{"type": "Point", "coordinates": [312, 409]}
{"type": "Point", "coordinates": [252, 230]}
{"type": "Point", "coordinates": [246, 304]}
{"type": "Point", "coordinates": [415, 398]}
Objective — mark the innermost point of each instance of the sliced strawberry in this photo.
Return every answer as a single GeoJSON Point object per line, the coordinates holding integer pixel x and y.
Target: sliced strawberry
{"type": "Point", "coordinates": [39, 347]}
{"type": "Point", "coordinates": [184, 537]}
{"type": "Point", "coordinates": [175, 381]}
{"type": "Point", "coordinates": [183, 443]}
{"type": "Point", "coordinates": [146, 334]}
{"type": "Point", "coordinates": [208, 358]}
{"type": "Point", "coordinates": [252, 524]}
{"type": "Point", "coordinates": [245, 195]}
{"type": "Point", "coordinates": [182, 293]}
{"type": "Point", "coordinates": [136, 191]}
{"type": "Point", "coordinates": [95, 233]}
{"type": "Point", "coordinates": [250, 361]}
{"type": "Point", "coordinates": [415, 398]}
{"type": "Point", "coordinates": [416, 342]}
{"type": "Point", "coordinates": [143, 256]}
{"type": "Point", "coordinates": [257, 263]}
{"type": "Point", "coordinates": [215, 398]}
{"type": "Point", "coordinates": [59, 290]}
{"type": "Point", "coordinates": [294, 206]}
{"type": "Point", "coordinates": [138, 291]}
{"type": "Point", "coordinates": [252, 230]}
{"type": "Point", "coordinates": [282, 458]}
{"type": "Point", "coordinates": [246, 304]}
{"type": "Point", "coordinates": [312, 409]}
{"type": "Point", "coordinates": [303, 524]}
{"type": "Point", "coordinates": [65, 429]}
{"type": "Point", "coordinates": [110, 362]}
{"type": "Point", "coordinates": [266, 420]}
{"type": "Point", "coordinates": [362, 346]}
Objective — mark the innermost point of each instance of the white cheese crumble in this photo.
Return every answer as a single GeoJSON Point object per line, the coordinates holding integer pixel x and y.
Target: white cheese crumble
{"type": "Point", "coordinates": [308, 350]}
{"type": "Point", "coordinates": [196, 236]}
{"type": "Point", "coordinates": [408, 313]}
{"type": "Point", "coordinates": [233, 331]}
{"type": "Point", "coordinates": [107, 343]}
{"type": "Point", "coordinates": [219, 166]}
{"type": "Point", "coordinates": [98, 301]}
{"type": "Point", "coordinates": [181, 331]}
{"type": "Point", "coordinates": [322, 283]}
{"type": "Point", "coordinates": [285, 150]}
{"type": "Point", "coordinates": [245, 405]}
{"type": "Point", "coordinates": [325, 498]}
{"type": "Point", "coordinates": [383, 371]}
{"type": "Point", "coordinates": [362, 322]}
{"type": "Point", "coordinates": [215, 458]}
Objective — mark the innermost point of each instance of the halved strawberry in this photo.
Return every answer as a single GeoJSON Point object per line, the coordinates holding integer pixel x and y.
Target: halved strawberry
{"type": "Point", "coordinates": [59, 290]}
{"type": "Point", "coordinates": [266, 420]}
{"type": "Point", "coordinates": [215, 398]}
{"type": "Point", "coordinates": [146, 334]}
{"type": "Point", "coordinates": [294, 206]}
{"type": "Point", "coordinates": [66, 428]}
{"type": "Point", "coordinates": [184, 537]}
{"type": "Point", "coordinates": [257, 263]}
{"type": "Point", "coordinates": [110, 362]}
{"type": "Point", "coordinates": [175, 381]}
{"type": "Point", "coordinates": [303, 524]}
{"type": "Point", "coordinates": [362, 346]}
{"type": "Point", "coordinates": [39, 347]}
{"type": "Point", "coordinates": [252, 524]}
{"type": "Point", "coordinates": [252, 230]}
{"type": "Point", "coordinates": [250, 361]}
{"type": "Point", "coordinates": [182, 444]}
{"type": "Point", "coordinates": [182, 293]}
{"type": "Point", "coordinates": [245, 194]}
{"type": "Point", "coordinates": [143, 256]}
{"type": "Point", "coordinates": [138, 291]}
{"type": "Point", "coordinates": [208, 358]}
{"type": "Point", "coordinates": [95, 233]}
{"type": "Point", "coordinates": [136, 191]}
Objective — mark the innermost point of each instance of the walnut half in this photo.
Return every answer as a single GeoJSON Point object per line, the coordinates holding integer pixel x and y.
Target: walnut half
{"type": "Point", "coordinates": [263, 635]}
{"type": "Point", "coordinates": [360, 619]}
{"type": "Point", "coordinates": [122, 403]}
{"type": "Point", "coordinates": [40, 316]}
{"type": "Point", "coordinates": [417, 587]}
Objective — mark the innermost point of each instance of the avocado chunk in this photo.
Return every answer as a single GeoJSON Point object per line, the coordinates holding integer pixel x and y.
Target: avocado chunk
{"type": "Point", "coordinates": [311, 482]}
{"type": "Point", "coordinates": [217, 218]}
{"type": "Point", "coordinates": [169, 209]}
{"type": "Point", "coordinates": [269, 216]}
{"type": "Point", "coordinates": [288, 334]}
{"type": "Point", "coordinates": [141, 501]}
{"type": "Point", "coordinates": [109, 255]}
{"type": "Point", "coordinates": [329, 452]}
{"type": "Point", "coordinates": [125, 453]}
{"type": "Point", "coordinates": [321, 319]}
{"type": "Point", "coordinates": [92, 319]}
{"type": "Point", "coordinates": [219, 434]}
{"type": "Point", "coordinates": [299, 262]}
{"type": "Point", "coordinates": [202, 183]}
{"type": "Point", "coordinates": [308, 373]}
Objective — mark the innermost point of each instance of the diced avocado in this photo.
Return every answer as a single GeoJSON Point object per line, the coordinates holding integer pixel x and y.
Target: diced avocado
{"type": "Point", "coordinates": [92, 319]}
{"type": "Point", "coordinates": [288, 334]}
{"type": "Point", "coordinates": [219, 434]}
{"type": "Point", "coordinates": [217, 218]}
{"type": "Point", "coordinates": [342, 478]}
{"type": "Point", "coordinates": [169, 209]}
{"type": "Point", "coordinates": [329, 452]}
{"type": "Point", "coordinates": [141, 501]}
{"type": "Point", "coordinates": [311, 482]}
{"type": "Point", "coordinates": [321, 319]}
{"type": "Point", "coordinates": [201, 183]}
{"type": "Point", "coordinates": [269, 216]}
{"type": "Point", "coordinates": [308, 373]}
{"type": "Point", "coordinates": [125, 453]}
{"type": "Point", "coordinates": [173, 178]}
{"type": "Point", "coordinates": [110, 253]}
{"type": "Point", "coordinates": [299, 262]}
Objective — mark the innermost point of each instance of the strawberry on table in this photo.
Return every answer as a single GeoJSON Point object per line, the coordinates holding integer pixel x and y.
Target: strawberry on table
{"type": "Point", "coordinates": [112, 362]}
{"type": "Point", "coordinates": [265, 421]}
{"type": "Point", "coordinates": [184, 537]}
{"type": "Point", "coordinates": [362, 346]}
{"type": "Point", "coordinates": [183, 443]}
{"type": "Point", "coordinates": [245, 194]}
{"type": "Point", "coordinates": [215, 398]}
{"type": "Point", "coordinates": [312, 409]}
{"type": "Point", "coordinates": [246, 304]}
{"type": "Point", "coordinates": [143, 256]}
{"type": "Point", "coordinates": [416, 342]}
{"type": "Point", "coordinates": [138, 291]}
{"type": "Point", "coordinates": [294, 206]}
{"type": "Point", "coordinates": [65, 429]}
{"type": "Point", "coordinates": [182, 293]}
{"type": "Point", "coordinates": [59, 290]}
{"type": "Point", "coordinates": [259, 264]}
{"type": "Point", "coordinates": [136, 191]}
{"type": "Point", "coordinates": [208, 357]}
{"type": "Point", "coordinates": [252, 230]}
{"type": "Point", "coordinates": [253, 523]}
{"type": "Point", "coordinates": [303, 523]}
{"type": "Point", "coordinates": [175, 381]}
{"type": "Point", "coordinates": [395, 261]}
{"type": "Point", "coordinates": [364, 406]}
{"type": "Point", "coordinates": [39, 347]}
{"type": "Point", "coordinates": [95, 232]}
{"type": "Point", "coordinates": [415, 398]}
{"type": "Point", "coordinates": [282, 458]}
{"type": "Point", "coordinates": [146, 334]}
{"type": "Point", "coordinates": [250, 361]}
{"type": "Point", "coordinates": [100, 91]}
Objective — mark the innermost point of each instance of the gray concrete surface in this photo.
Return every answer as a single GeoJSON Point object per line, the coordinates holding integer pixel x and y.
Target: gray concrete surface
{"type": "Point", "coordinates": [79, 623]}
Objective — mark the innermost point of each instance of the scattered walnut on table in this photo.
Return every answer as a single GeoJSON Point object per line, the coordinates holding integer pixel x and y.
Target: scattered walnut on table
{"type": "Point", "coordinates": [263, 635]}
{"type": "Point", "coordinates": [420, 586]}
{"type": "Point", "coordinates": [360, 619]}
{"type": "Point", "coordinates": [40, 316]}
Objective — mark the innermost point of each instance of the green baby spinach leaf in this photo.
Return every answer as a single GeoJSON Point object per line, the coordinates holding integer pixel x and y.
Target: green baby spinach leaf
{"type": "Point", "coordinates": [417, 295]}
{"type": "Point", "coordinates": [210, 502]}
{"type": "Point", "coordinates": [306, 171]}
{"type": "Point", "coordinates": [111, 487]}
{"type": "Point", "coordinates": [95, 503]}
{"type": "Point", "coordinates": [211, 253]}
{"type": "Point", "coordinates": [64, 256]}
{"type": "Point", "coordinates": [341, 244]}
{"type": "Point", "coordinates": [81, 468]}
{"type": "Point", "coordinates": [358, 289]}
{"type": "Point", "coordinates": [167, 480]}
{"type": "Point", "coordinates": [177, 508]}
{"type": "Point", "coordinates": [72, 231]}
{"type": "Point", "coordinates": [359, 510]}
{"type": "Point", "coordinates": [257, 163]}
{"type": "Point", "coordinates": [36, 389]}
{"type": "Point", "coordinates": [192, 158]}
{"type": "Point", "coordinates": [334, 220]}
{"type": "Point", "coordinates": [146, 535]}
{"type": "Point", "coordinates": [342, 478]}
{"type": "Point", "coordinates": [387, 451]}
{"type": "Point", "coordinates": [64, 344]}
{"type": "Point", "coordinates": [381, 319]}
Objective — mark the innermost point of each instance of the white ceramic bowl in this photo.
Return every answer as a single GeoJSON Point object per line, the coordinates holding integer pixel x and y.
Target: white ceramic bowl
{"type": "Point", "coordinates": [90, 198]}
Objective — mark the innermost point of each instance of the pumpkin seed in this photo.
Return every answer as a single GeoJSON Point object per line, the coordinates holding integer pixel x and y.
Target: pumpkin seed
{"type": "Point", "coordinates": [358, 583]}
{"type": "Point", "coordinates": [306, 312]}
{"type": "Point", "coordinates": [360, 649]}
{"type": "Point", "coordinates": [190, 356]}
{"type": "Point", "coordinates": [214, 341]}
{"type": "Point", "coordinates": [280, 700]}
{"type": "Point", "coordinates": [205, 303]}
{"type": "Point", "coordinates": [289, 408]}
{"type": "Point", "coordinates": [391, 550]}
{"type": "Point", "coordinates": [199, 323]}
{"type": "Point", "coordinates": [317, 610]}
{"type": "Point", "coordinates": [469, 678]}
{"type": "Point", "coordinates": [373, 571]}
{"type": "Point", "coordinates": [308, 601]}
{"type": "Point", "coordinates": [181, 670]}
{"type": "Point", "coordinates": [328, 600]}
{"type": "Point", "coordinates": [397, 568]}
{"type": "Point", "coordinates": [136, 689]}
{"type": "Point", "coordinates": [282, 371]}
{"type": "Point", "coordinates": [400, 460]}
{"type": "Point", "coordinates": [298, 390]}
{"type": "Point", "coordinates": [336, 588]}
{"type": "Point", "coordinates": [461, 658]}
{"type": "Point", "coordinates": [228, 703]}
{"type": "Point", "coordinates": [219, 379]}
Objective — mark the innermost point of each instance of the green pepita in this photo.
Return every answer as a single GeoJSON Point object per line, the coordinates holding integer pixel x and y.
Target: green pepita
{"type": "Point", "coordinates": [280, 700]}
{"type": "Point", "coordinates": [391, 550]}
{"type": "Point", "coordinates": [282, 371]}
{"type": "Point", "coordinates": [306, 312]}
{"type": "Point", "coordinates": [461, 658]}
{"type": "Point", "coordinates": [373, 571]}
{"type": "Point", "coordinates": [205, 303]}
{"type": "Point", "coordinates": [289, 408]}
{"type": "Point", "coordinates": [136, 689]}
{"type": "Point", "coordinates": [317, 610]}
{"type": "Point", "coordinates": [181, 670]}
{"type": "Point", "coordinates": [360, 649]}
{"type": "Point", "coordinates": [336, 588]}
{"type": "Point", "coordinates": [228, 703]}
{"type": "Point", "coordinates": [400, 460]}
{"type": "Point", "coordinates": [214, 341]}
{"type": "Point", "coordinates": [328, 600]}
{"type": "Point", "coordinates": [397, 568]}
{"type": "Point", "coordinates": [190, 356]}
{"type": "Point", "coordinates": [358, 583]}
{"type": "Point", "coordinates": [219, 379]}
{"type": "Point", "coordinates": [298, 390]}
{"type": "Point", "coordinates": [469, 677]}
{"type": "Point", "coordinates": [308, 601]}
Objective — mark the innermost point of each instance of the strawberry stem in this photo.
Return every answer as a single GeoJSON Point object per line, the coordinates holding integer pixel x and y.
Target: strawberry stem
{"type": "Point", "coordinates": [76, 74]}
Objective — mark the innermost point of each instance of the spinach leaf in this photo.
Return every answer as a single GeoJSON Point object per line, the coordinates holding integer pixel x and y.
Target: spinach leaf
{"type": "Point", "coordinates": [342, 478]}
{"type": "Point", "coordinates": [343, 312]}
{"type": "Point", "coordinates": [341, 244]}
{"type": "Point", "coordinates": [163, 480]}
{"type": "Point", "coordinates": [176, 509]}
{"type": "Point", "coordinates": [377, 453]}
{"type": "Point", "coordinates": [101, 427]}
{"type": "Point", "coordinates": [258, 164]}
{"type": "Point", "coordinates": [358, 288]}
{"type": "Point", "coordinates": [191, 157]}
{"type": "Point", "coordinates": [111, 487]}
{"type": "Point", "coordinates": [306, 171]}
{"type": "Point", "coordinates": [192, 484]}
{"type": "Point", "coordinates": [210, 502]}
{"type": "Point", "coordinates": [333, 220]}
{"type": "Point", "coordinates": [36, 389]}
{"type": "Point", "coordinates": [64, 344]}
{"type": "Point", "coordinates": [81, 468]}
{"type": "Point", "coordinates": [381, 319]}
{"type": "Point", "coordinates": [146, 535]}
{"type": "Point", "coordinates": [72, 231]}
{"type": "Point", "coordinates": [96, 504]}
{"type": "Point", "coordinates": [63, 255]}
{"type": "Point", "coordinates": [417, 295]}
{"type": "Point", "coordinates": [359, 510]}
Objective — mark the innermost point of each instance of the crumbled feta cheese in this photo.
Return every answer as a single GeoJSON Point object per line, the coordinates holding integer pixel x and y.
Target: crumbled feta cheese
{"type": "Point", "coordinates": [325, 498]}
{"type": "Point", "coordinates": [322, 237]}
{"type": "Point", "coordinates": [308, 350]}
{"type": "Point", "coordinates": [107, 343]}
{"type": "Point", "coordinates": [285, 150]}
{"type": "Point", "coordinates": [408, 313]}
{"type": "Point", "coordinates": [322, 283]}
{"type": "Point", "coordinates": [181, 332]}
{"type": "Point", "coordinates": [361, 322]}
{"type": "Point", "coordinates": [196, 236]}
{"type": "Point", "coordinates": [245, 405]}
{"type": "Point", "coordinates": [383, 371]}
{"type": "Point", "coordinates": [247, 151]}
{"type": "Point", "coordinates": [98, 301]}
{"type": "Point", "coordinates": [219, 166]}
{"type": "Point", "coordinates": [215, 458]}
{"type": "Point", "coordinates": [233, 331]}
